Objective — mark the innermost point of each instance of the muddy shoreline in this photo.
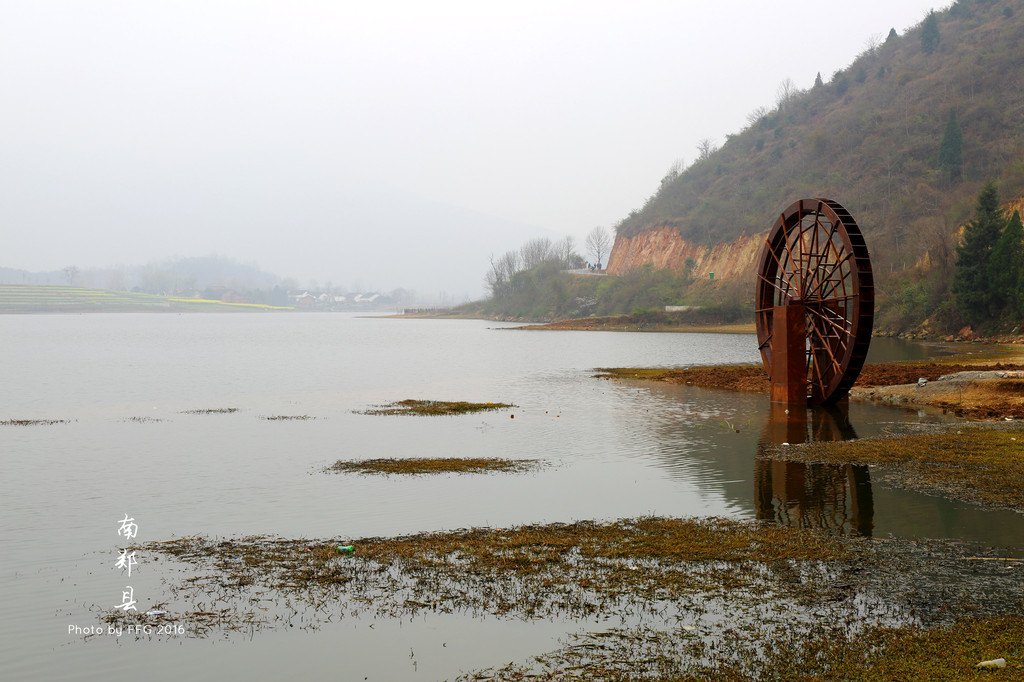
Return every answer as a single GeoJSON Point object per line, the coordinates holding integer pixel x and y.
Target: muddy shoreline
{"type": "Point", "coordinates": [627, 323]}
{"type": "Point", "coordinates": [973, 388]}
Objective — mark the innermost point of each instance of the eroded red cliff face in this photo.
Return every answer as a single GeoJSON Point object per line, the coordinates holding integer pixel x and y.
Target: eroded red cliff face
{"type": "Point", "coordinates": [664, 248]}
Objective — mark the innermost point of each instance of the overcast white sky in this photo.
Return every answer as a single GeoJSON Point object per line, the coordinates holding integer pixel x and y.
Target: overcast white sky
{"type": "Point", "coordinates": [385, 143]}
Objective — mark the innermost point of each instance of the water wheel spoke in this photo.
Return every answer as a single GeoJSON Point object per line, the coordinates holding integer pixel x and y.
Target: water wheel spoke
{"type": "Point", "coordinates": [838, 366]}
{"type": "Point", "coordinates": [776, 285]}
{"type": "Point", "coordinates": [835, 256]}
{"type": "Point", "coordinates": [789, 250]}
{"type": "Point", "coordinates": [828, 296]}
{"type": "Point", "coordinates": [781, 269]}
{"type": "Point", "coordinates": [840, 257]}
{"type": "Point", "coordinates": [822, 251]}
{"type": "Point", "coordinates": [840, 261]}
{"type": "Point", "coordinates": [840, 328]}
{"type": "Point", "coordinates": [802, 251]}
{"type": "Point", "coordinates": [812, 251]}
{"type": "Point", "coordinates": [814, 234]}
{"type": "Point", "coordinates": [812, 362]}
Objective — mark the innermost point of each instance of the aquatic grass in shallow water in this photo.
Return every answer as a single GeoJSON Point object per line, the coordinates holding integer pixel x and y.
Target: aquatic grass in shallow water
{"type": "Point", "coordinates": [818, 653]}
{"type": "Point", "coordinates": [754, 378]}
{"type": "Point", "coordinates": [728, 377]}
{"type": "Point", "coordinates": [435, 465]}
{"type": "Point", "coordinates": [949, 652]}
{"type": "Point", "coordinates": [980, 400]}
{"type": "Point", "coordinates": [434, 408]}
{"type": "Point", "coordinates": [975, 464]}
{"type": "Point", "coordinates": [217, 410]}
{"type": "Point", "coordinates": [662, 598]}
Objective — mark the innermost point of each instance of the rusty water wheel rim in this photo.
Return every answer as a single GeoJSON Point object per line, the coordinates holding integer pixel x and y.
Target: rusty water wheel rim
{"type": "Point", "coordinates": [815, 255]}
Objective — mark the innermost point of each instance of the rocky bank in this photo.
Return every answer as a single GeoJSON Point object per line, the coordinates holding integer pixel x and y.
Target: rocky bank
{"type": "Point", "coordinates": [664, 248]}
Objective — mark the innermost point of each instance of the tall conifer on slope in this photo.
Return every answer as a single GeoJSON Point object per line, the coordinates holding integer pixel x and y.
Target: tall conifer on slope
{"type": "Point", "coordinates": [951, 149]}
{"type": "Point", "coordinates": [930, 33]}
{"type": "Point", "coordinates": [972, 276]}
{"type": "Point", "coordinates": [1007, 269]}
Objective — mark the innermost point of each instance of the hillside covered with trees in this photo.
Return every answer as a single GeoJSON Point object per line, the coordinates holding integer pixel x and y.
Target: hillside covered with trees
{"type": "Point", "coordinates": [921, 137]}
{"type": "Point", "coordinates": [906, 137]}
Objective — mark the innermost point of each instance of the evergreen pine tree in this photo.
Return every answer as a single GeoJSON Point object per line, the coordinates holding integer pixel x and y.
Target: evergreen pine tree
{"type": "Point", "coordinates": [1007, 269]}
{"type": "Point", "coordinates": [930, 33]}
{"type": "Point", "coordinates": [817, 81]}
{"type": "Point", "coordinates": [951, 150]}
{"type": "Point", "coordinates": [1017, 300]}
{"type": "Point", "coordinates": [892, 35]}
{"type": "Point", "coordinates": [972, 283]}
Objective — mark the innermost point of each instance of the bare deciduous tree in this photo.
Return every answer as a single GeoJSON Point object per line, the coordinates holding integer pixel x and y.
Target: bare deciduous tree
{"type": "Point", "coordinates": [786, 93]}
{"type": "Point", "coordinates": [705, 148]}
{"type": "Point", "coordinates": [499, 277]}
{"type": "Point", "coordinates": [674, 171]}
{"type": "Point", "coordinates": [70, 272]}
{"type": "Point", "coordinates": [565, 251]}
{"type": "Point", "coordinates": [535, 252]}
{"type": "Point", "coordinates": [757, 115]}
{"type": "Point", "coordinates": [598, 244]}
{"type": "Point", "coordinates": [871, 43]}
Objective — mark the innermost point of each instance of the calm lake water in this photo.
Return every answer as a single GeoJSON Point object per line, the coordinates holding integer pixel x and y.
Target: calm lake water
{"type": "Point", "coordinates": [125, 384]}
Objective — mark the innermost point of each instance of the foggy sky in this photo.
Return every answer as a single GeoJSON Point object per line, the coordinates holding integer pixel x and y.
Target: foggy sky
{"type": "Point", "coordinates": [389, 144]}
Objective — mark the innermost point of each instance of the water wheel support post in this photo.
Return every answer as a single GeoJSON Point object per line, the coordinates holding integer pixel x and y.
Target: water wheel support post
{"type": "Point", "coordinates": [789, 376]}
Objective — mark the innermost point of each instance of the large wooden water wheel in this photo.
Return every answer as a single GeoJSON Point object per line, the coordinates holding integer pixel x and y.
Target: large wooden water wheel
{"type": "Point", "coordinates": [815, 303]}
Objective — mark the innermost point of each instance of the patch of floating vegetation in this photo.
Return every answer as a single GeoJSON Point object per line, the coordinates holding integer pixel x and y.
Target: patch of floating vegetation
{"type": "Point", "coordinates": [682, 598]}
{"type": "Point", "coordinates": [142, 420]}
{"type": "Point", "coordinates": [199, 623]}
{"type": "Point", "coordinates": [913, 653]}
{"type": "Point", "coordinates": [436, 465]}
{"type": "Point", "coordinates": [33, 422]}
{"type": "Point", "coordinates": [729, 377]}
{"type": "Point", "coordinates": [754, 378]}
{"type": "Point", "coordinates": [289, 417]}
{"type": "Point", "coordinates": [981, 465]}
{"type": "Point", "coordinates": [216, 410]}
{"type": "Point", "coordinates": [434, 407]}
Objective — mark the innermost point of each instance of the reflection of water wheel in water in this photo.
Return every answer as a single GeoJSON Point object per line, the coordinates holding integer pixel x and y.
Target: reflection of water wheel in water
{"type": "Point", "coordinates": [815, 303]}
{"type": "Point", "coordinates": [811, 495]}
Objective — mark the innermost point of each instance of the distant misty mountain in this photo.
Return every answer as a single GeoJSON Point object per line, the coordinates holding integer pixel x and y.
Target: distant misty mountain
{"type": "Point", "coordinates": [173, 275]}
{"type": "Point", "coordinates": [355, 238]}
{"type": "Point", "coordinates": [201, 273]}
{"type": "Point", "coordinates": [313, 230]}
